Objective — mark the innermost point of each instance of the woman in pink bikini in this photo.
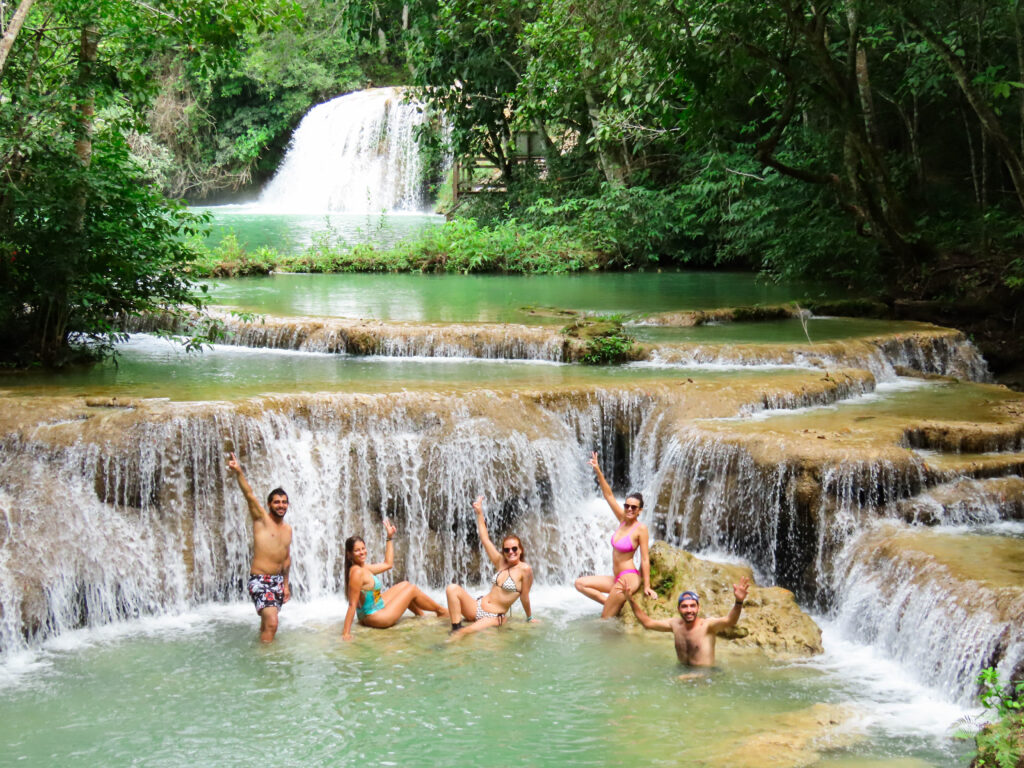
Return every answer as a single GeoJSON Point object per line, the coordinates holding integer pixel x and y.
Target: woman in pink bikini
{"type": "Point", "coordinates": [613, 591]}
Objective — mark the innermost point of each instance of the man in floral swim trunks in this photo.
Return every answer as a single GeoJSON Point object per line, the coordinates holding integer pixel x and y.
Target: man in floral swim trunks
{"type": "Point", "coordinates": [271, 553]}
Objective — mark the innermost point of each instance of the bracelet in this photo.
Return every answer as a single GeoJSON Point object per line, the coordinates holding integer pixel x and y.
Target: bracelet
{"type": "Point", "coordinates": [738, 602]}
{"type": "Point", "coordinates": [388, 538]}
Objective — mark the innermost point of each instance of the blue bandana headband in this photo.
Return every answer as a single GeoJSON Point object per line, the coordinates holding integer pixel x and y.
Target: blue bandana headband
{"type": "Point", "coordinates": [688, 595]}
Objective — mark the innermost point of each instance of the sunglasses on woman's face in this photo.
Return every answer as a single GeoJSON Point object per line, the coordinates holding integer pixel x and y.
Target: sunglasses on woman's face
{"type": "Point", "coordinates": [631, 506]}
{"type": "Point", "coordinates": [509, 550]}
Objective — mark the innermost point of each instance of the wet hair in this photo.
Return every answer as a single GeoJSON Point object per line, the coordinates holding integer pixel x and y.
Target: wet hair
{"type": "Point", "coordinates": [638, 496]}
{"type": "Point", "coordinates": [522, 549]}
{"type": "Point", "coordinates": [276, 492]}
{"type": "Point", "coordinates": [350, 544]}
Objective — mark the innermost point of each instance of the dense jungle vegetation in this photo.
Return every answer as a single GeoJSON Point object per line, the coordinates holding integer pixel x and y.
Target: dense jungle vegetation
{"type": "Point", "coordinates": [879, 143]}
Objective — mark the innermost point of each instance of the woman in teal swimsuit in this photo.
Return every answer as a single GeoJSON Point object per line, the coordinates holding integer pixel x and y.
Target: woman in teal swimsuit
{"type": "Point", "coordinates": [366, 600]}
{"type": "Point", "coordinates": [613, 591]}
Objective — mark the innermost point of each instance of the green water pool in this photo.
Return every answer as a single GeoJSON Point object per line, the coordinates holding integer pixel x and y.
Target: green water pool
{"type": "Point", "coordinates": [149, 366]}
{"type": "Point", "coordinates": [498, 298]}
{"type": "Point", "coordinates": [198, 689]}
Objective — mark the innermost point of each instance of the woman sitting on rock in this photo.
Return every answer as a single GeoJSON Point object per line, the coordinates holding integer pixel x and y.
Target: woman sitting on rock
{"type": "Point", "coordinates": [613, 591]}
{"type": "Point", "coordinates": [511, 582]}
{"type": "Point", "coordinates": [363, 586]}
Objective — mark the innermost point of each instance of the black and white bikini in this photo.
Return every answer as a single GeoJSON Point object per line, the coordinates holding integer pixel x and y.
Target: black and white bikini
{"type": "Point", "coordinates": [508, 585]}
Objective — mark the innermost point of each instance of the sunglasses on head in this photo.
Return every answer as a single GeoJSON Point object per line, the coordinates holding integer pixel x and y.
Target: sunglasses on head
{"type": "Point", "coordinates": [631, 506]}
{"type": "Point", "coordinates": [508, 550]}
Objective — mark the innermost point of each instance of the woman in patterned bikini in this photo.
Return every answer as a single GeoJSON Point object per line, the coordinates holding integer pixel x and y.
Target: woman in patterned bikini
{"type": "Point", "coordinates": [511, 582]}
{"type": "Point", "coordinates": [613, 591]}
{"type": "Point", "coordinates": [363, 586]}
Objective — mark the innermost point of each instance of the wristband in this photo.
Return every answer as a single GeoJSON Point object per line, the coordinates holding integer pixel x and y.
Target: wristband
{"type": "Point", "coordinates": [738, 602]}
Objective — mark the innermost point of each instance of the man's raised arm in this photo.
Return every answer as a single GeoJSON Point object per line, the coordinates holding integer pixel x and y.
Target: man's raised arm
{"type": "Point", "coordinates": [729, 620]}
{"type": "Point", "coordinates": [256, 510]}
{"type": "Point", "coordinates": [658, 625]}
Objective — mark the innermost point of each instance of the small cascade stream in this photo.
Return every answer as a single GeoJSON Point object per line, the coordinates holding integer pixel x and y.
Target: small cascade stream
{"type": "Point", "coordinates": [356, 153]}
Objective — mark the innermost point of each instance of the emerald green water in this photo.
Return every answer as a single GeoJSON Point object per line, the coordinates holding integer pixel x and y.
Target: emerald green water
{"type": "Point", "coordinates": [819, 329]}
{"type": "Point", "coordinates": [498, 298]}
{"type": "Point", "coordinates": [148, 366]}
{"type": "Point", "coordinates": [198, 690]}
{"type": "Point", "coordinates": [292, 233]}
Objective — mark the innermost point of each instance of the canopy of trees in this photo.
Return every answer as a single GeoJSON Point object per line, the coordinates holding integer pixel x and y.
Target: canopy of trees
{"type": "Point", "coordinates": [878, 142]}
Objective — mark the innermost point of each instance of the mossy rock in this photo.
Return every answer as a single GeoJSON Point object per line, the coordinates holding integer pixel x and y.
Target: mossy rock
{"type": "Point", "coordinates": [771, 620]}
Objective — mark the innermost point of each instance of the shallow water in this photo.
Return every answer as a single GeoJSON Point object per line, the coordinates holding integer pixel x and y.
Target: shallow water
{"type": "Point", "coordinates": [198, 690]}
{"type": "Point", "coordinates": [498, 298]}
{"type": "Point", "coordinates": [149, 366]}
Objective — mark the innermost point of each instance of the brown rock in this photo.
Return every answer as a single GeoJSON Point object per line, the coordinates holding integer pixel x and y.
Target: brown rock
{"type": "Point", "coordinates": [771, 620]}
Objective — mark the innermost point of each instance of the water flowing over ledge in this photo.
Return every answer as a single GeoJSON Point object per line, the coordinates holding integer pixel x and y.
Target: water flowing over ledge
{"type": "Point", "coordinates": [941, 351]}
{"type": "Point", "coordinates": [117, 512]}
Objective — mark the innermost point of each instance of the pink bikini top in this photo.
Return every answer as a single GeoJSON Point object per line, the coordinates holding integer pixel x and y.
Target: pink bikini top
{"type": "Point", "coordinates": [625, 544]}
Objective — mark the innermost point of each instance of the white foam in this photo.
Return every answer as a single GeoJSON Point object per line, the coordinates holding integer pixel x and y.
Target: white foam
{"type": "Point", "coordinates": [891, 699]}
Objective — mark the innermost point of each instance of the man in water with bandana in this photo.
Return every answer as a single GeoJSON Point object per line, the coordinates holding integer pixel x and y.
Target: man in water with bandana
{"type": "Point", "coordinates": [695, 636]}
{"type": "Point", "coordinates": [271, 553]}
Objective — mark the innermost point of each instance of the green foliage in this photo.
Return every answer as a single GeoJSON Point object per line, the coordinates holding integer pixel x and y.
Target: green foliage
{"type": "Point", "coordinates": [85, 237]}
{"type": "Point", "coordinates": [228, 120]}
{"type": "Point", "coordinates": [229, 259]}
{"type": "Point", "coordinates": [460, 246]}
{"type": "Point", "coordinates": [606, 341]}
{"type": "Point", "coordinates": [609, 349]}
{"type": "Point", "coordinates": [1000, 744]}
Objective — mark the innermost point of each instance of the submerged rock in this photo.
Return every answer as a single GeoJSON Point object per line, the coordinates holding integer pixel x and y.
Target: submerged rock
{"type": "Point", "coordinates": [771, 620]}
{"type": "Point", "coordinates": [794, 739]}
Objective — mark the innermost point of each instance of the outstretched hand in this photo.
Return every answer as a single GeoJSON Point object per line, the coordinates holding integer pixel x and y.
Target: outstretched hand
{"type": "Point", "coordinates": [478, 505]}
{"type": "Point", "coordinates": [389, 529]}
{"type": "Point", "coordinates": [593, 462]}
{"type": "Point", "coordinates": [740, 590]}
{"type": "Point", "coordinates": [233, 464]}
{"type": "Point", "coordinates": [650, 593]}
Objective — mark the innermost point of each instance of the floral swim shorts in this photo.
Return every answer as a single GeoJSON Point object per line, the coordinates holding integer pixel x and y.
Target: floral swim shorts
{"type": "Point", "coordinates": [266, 590]}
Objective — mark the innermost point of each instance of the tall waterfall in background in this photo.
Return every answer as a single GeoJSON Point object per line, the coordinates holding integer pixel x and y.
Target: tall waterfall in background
{"type": "Point", "coordinates": [356, 153]}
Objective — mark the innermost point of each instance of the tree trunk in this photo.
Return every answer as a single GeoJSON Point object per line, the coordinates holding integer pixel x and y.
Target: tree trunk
{"type": "Point", "coordinates": [986, 115]}
{"type": "Point", "coordinates": [614, 171]}
{"type": "Point", "coordinates": [12, 31]}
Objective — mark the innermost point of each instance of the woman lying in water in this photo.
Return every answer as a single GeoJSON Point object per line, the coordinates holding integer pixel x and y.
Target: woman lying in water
{"type": "Point", "coordinates": [363, 586]}
{"type": "Point", "coordinates": [613, 591]}
{"type": "Point", "coordinates": [511, 582]}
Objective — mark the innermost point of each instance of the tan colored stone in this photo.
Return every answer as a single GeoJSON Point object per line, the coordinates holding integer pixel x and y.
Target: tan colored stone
{"type": "Point", "coordinates": [771, 620]}
{"type": "Point", "coordinates": [794, 739]}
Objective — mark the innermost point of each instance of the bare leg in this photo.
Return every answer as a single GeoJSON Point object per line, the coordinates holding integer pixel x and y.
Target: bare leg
{"type": "Point", "coordinates": [476, 626]}
{"type": "Point", "coordinates": [595, 587]}
{"type": "Point", "coordinates": [626, 585]}
{"type": "Point", "coordinates": [460, 604]}
{"type": "Point", "coordinates": [268, 624]}
{"type": "Point", "coordinates": [396, 600]}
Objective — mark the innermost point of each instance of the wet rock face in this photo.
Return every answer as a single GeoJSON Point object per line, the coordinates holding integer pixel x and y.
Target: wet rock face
{"type": "Point", "coordinates": [771, 620]}
{"type": "Point", "coordinates": [944, 602]}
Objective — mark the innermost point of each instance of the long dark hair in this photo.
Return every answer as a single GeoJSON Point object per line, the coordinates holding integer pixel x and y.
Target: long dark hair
{"type": "Point", "coordinates": [350, 544]}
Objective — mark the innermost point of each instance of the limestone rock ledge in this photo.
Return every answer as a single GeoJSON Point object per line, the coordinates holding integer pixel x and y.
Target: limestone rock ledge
{"type": "Point", "coordinates": [771, 621]}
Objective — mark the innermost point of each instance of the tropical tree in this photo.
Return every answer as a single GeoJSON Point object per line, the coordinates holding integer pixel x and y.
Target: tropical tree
{"type": "Point", "coordinates": [84, 235]}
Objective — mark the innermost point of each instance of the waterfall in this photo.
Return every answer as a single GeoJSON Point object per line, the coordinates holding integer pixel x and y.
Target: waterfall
{"type": "Point", "coordinates": [122, 512]}
{"type": "Point", "coordinates": [356, 153]}
{"type": "Point", "coordinates": [127, 514]}
{"type": "Point", "coordinates": [942, 625]}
